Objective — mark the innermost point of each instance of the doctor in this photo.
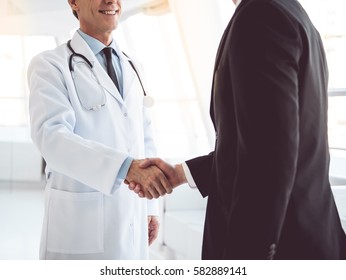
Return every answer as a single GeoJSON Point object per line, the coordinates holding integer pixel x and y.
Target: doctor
{"type": "Point", "coordinates": [89, 130]}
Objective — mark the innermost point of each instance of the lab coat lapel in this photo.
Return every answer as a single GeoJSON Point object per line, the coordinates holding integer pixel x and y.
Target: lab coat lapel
{"type": "Point", "coordinates": [128, 73]}
{"type": "Point", "coordinates": [80, 46]}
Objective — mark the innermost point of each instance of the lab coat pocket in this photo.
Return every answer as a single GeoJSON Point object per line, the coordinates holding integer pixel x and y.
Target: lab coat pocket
{"type": "Point", "coordinates": [75, 222]}
{"type": "Point", "coordinates": [90, 93]}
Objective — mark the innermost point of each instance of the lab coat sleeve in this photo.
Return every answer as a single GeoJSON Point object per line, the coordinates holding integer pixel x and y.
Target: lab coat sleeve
{"type": "Point", "coordinates": [52, 129]}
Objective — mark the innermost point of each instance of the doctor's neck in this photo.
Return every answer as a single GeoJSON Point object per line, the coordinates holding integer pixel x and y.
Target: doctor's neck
{"type": "Point", "coordinates": [104, 37]}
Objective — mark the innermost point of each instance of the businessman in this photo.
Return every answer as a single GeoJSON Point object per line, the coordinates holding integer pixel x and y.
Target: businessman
{"type": "Point", "coordinates": [267, 180]}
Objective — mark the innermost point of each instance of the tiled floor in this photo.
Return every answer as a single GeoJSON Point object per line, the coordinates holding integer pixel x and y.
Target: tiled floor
{"type": "Point", "coordinates": [21, 211]}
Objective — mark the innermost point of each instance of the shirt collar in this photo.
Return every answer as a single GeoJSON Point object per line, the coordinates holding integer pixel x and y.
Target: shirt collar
{"type": "Point", "coordinates": [95, 45]}
{"type": "Point", "coordinates": [237, 3]}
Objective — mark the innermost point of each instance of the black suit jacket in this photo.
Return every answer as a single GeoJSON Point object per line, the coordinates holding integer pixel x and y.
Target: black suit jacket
{"type": "Point", "coordinates": [267, 180]}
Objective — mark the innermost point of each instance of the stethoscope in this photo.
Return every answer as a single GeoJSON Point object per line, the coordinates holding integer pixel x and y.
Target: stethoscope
{"type": "Point", "coordinates": [148, 101]}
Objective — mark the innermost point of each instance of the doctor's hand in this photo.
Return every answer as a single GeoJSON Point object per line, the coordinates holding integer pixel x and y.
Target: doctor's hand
{"type": "Point", "coordinates": [152, 180]}
{"type": "Point", "coordinates": [175, 174]}
{"type": "Point", "coordinates": [153, 228]}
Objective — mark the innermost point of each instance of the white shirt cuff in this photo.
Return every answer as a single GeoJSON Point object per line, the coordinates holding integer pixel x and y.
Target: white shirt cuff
{"type": "Point", "coordinates": [188, 176]}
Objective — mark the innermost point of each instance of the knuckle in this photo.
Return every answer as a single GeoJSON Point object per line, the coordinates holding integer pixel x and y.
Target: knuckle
{"type": "Point", "coordinates": [150, 178]}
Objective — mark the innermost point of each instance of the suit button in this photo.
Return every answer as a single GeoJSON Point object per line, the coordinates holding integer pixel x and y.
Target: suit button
{"type": "Point", "coordinates": [272, 251]}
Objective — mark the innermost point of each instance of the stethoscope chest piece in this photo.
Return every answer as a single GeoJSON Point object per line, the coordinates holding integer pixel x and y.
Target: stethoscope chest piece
{"type": "Point", "coordinates": [148, 101]}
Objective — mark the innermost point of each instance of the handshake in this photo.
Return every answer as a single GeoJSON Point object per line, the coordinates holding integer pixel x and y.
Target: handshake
{"type": "Point", "coordinates": [153, 177]}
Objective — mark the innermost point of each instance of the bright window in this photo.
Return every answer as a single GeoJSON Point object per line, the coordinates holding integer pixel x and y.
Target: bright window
{"type": "Point", "coordinates": [155, 42]}
{"type": "Point", "coordinates": [329, 17]}
{"type": "Point", "coordinates": [15, 55]}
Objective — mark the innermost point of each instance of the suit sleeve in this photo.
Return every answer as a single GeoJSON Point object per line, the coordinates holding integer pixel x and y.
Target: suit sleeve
{"type": "Point", "coordinates": [266, 47]}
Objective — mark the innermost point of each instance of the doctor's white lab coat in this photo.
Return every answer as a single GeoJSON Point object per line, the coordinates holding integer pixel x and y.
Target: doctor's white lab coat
{"type": "Point", "coordinates": [88, 213]}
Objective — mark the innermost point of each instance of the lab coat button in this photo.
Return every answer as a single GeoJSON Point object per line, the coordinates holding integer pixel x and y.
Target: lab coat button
{"type": "Point", "coordinates": [125, 115]}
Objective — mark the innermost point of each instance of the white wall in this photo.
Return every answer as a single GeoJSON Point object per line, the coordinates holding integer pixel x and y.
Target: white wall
{"type": "Point", "coordinates": [19, 158]}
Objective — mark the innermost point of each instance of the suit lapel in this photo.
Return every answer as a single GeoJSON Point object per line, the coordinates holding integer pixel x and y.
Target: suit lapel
{"type": "Point", "coordinates": [217, 61]}
{"type": "Point", "coordinates": [222, 44]}
{"type": "Point", "coordinates": [225, 35]}
{"type": "Point", "coordinates": [219, 54]}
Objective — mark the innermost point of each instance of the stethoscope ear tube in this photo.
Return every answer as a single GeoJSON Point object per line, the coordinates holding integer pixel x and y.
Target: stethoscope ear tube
{"type": "Point", "coordinates": [76, 54]}
{"type": "Point", "coordinates": [134, 68]}
{"type": "Point", "coordinates": [148, 101]}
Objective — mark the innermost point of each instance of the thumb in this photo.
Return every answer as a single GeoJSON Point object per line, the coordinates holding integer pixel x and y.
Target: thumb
{"type": "Point", "coordinates": [147, 162]}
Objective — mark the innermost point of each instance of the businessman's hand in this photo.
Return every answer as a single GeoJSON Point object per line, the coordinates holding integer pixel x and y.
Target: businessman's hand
{"type": "Point", "coordinates": [152, 180]}
{"type": "Point", "coordinates": [175, 175]}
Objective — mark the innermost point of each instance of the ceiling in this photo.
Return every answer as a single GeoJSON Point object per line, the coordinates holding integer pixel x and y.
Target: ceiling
{"type": "Point", "coordinates": [50, 17]}
{"type": "Point", "coordinates": [25, 7]}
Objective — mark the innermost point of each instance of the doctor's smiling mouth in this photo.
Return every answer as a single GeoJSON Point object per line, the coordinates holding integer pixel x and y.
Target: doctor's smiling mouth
{"type": "Point", "coordinates": [111, 8]}
{"type": "Point", "coordinates": [110, 12]}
